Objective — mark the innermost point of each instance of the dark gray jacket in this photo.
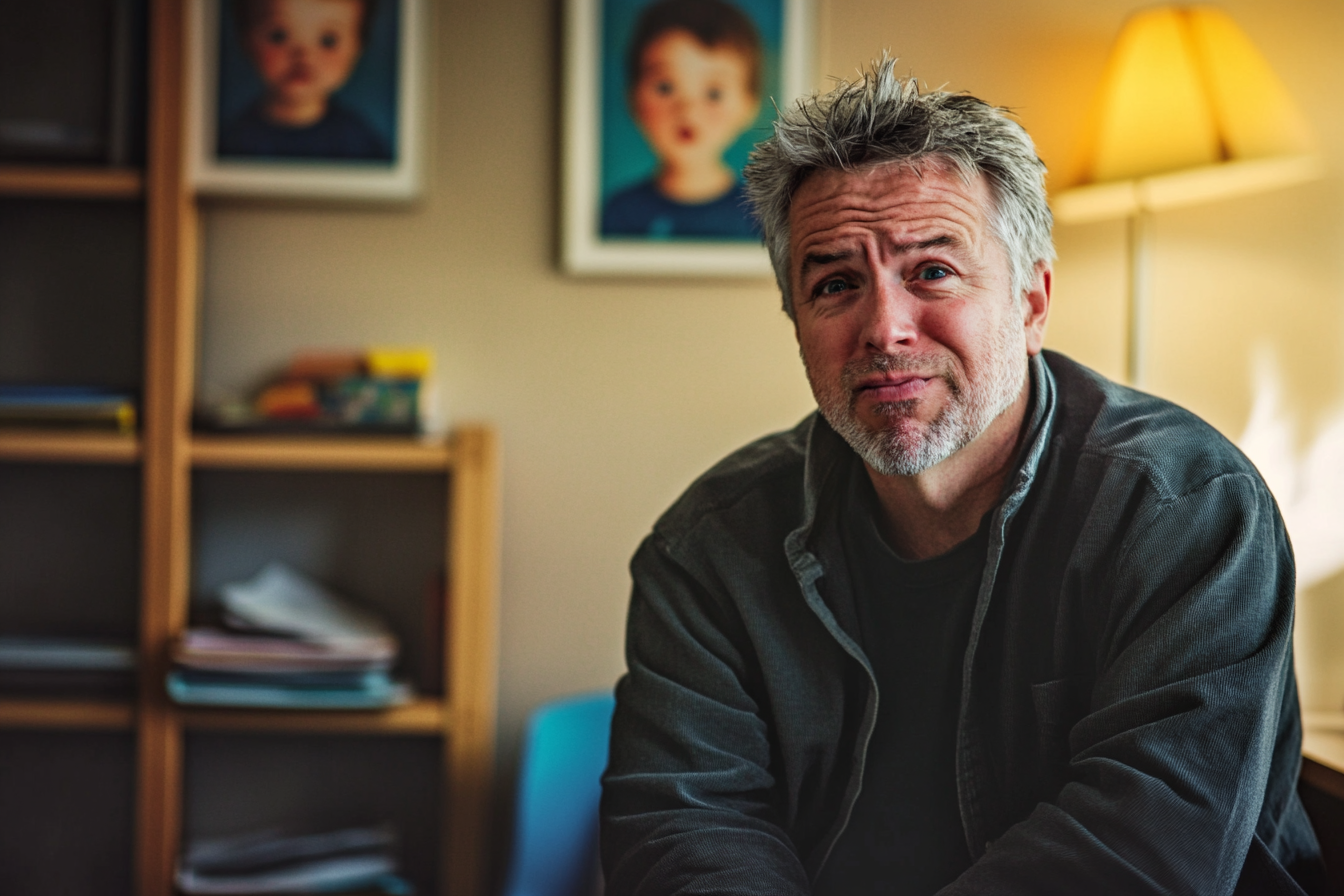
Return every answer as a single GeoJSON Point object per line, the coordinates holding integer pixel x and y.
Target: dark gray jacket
{"type": "Point", "coordinates": [1128, 719]}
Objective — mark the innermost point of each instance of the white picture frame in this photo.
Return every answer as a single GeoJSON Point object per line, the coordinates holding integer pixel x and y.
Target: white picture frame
{"type": "Point", "coordinates": [400, 27]}
{"type": "Point", "coordinates": [584, 249]}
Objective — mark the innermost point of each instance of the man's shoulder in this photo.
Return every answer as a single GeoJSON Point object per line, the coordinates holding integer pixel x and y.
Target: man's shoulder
{"type": "Point", "coordinates": [761, 480]}
{"type": "Point", "coordinates": [1169, 445]}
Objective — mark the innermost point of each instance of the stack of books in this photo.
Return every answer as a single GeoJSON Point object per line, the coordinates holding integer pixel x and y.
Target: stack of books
{"type": "Point", "coordinates": [344, 861]}
{"type": "Point", "coordinates": [287, 643]}
{"type": "Point", "coordinates": [67, 407]}
{"type": "Point", "coordinates": [66, 667]}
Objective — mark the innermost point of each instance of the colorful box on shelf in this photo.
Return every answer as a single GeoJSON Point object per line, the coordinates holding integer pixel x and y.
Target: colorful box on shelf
{"type": "Point", "coordinates": [381, 390]}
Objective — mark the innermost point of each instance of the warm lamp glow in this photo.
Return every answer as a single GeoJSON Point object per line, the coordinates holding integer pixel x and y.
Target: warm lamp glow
{"type": "Point", "coordinates": [1188, 112]}
{"type": "Point", "coordinates": [1155, 115]}
{"type": "Point", "coordinates": [1186, 96]}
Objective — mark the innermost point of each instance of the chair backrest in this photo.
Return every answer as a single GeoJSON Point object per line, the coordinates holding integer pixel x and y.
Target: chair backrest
{"type": "Point", "coordinates": [555, 827]}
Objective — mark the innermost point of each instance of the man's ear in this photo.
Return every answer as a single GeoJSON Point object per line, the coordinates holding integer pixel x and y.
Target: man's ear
{"type": "Point", "coordinates": [1036, 306]}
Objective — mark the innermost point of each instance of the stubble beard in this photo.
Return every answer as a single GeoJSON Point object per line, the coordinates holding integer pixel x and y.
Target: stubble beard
{"type": "Point", "coordinates": [903, 446]}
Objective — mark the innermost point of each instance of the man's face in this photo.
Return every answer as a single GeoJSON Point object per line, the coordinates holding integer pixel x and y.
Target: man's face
{"type": "Point", "coordinates": [692, 101]}
{"type": "Point", "coordinates": [305, 49]}
{"type": "Point", "coordinates": [906, 321]}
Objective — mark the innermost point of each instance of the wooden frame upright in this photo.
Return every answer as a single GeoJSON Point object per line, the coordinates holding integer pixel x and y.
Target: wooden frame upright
{"type": "Point", "coordinates": [171, 284]}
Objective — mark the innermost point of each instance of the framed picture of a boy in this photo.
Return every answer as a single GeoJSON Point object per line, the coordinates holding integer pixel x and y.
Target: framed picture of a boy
{"type": "Point", "coordinates": [308, 98]}
{"type": "Point", "coordinates": [663, 101]}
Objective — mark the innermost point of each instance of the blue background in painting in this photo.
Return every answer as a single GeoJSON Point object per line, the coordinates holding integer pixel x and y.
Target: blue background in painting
{"type": "Point", "coordinates": [626, 158]}
{"type": "Point", "coordinates": [371, 90]}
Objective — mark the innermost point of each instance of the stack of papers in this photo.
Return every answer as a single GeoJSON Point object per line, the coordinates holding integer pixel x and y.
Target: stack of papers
{"type": "Point", "coordinates": [289, 643]}
{"type": "Point", "coordinates": [344, 861]}
{"type": "Point", "coordinates": [66, 666]}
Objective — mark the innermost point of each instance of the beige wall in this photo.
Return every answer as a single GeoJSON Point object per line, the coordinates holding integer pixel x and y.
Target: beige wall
{"type": "Point", "coordinates": [611, 395]}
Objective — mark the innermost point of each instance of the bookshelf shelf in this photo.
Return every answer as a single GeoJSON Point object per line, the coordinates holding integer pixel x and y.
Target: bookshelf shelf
{"type": "Point", "coordinates": [385, 454]}
{"type": "Point", "coordinates": [56, 446]}
{"type": "Point", "coordinates": [97, 715]}
{"type": "Point", "coordinates": [71, 183]}
{"type": "Point", "coordinates": [425, 715]}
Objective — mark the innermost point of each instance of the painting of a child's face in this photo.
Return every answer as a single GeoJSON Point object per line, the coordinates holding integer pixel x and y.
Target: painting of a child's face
{"type": "Point", "coordinates": [692, 101]}
{"type": "Point", "coordinates": [304, 50]}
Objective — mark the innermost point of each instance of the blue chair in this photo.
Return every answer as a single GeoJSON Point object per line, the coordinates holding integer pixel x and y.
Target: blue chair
{"type": "Point", "coordinates": [555, 827]}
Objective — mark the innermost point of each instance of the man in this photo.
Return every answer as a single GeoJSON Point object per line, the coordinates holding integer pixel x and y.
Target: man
{"type": "Point", "coordinates": [988, 624]}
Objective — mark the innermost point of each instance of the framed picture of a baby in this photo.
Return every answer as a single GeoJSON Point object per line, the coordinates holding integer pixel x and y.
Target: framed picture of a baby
{"type": "Point", "coordinates": [663, 101]}
{"type": "Point", "coordinates": [309, 98]}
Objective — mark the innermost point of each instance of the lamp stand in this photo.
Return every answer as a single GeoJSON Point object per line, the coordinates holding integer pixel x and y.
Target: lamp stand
{"type": "Point", "coordinates": [1137, 317]}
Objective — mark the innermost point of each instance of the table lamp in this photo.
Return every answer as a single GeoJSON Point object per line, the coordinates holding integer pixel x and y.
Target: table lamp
{"type": "Point", "coordinates": [1188, 112]}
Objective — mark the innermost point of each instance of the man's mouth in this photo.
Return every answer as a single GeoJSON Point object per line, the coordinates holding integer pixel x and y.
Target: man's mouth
{"type": "Point", "coordinates": [891, 387]}
{"type": "Point", "coordinates": [685, 134]}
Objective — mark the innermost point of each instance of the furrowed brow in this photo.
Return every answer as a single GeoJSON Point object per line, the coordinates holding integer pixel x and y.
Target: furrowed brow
{"type": "Point", "coordinates": [902, 248]}
{"type": "Point", "coordinates": [821, 259]}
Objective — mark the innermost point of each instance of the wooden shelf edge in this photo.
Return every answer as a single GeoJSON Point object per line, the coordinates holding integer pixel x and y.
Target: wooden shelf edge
{"type": "Point", "coordinates": [55, 446]}
{"type": "Point", "coordinates": [424, 715]}
{"type": "Point", "coordinates": [71, 183]}
{"type": "Point", "coordinates": [321, 453]}
{"type": "Point", "coordinates": [1323, 720]}
{"type": "Point", "coordinates": [88, 714]}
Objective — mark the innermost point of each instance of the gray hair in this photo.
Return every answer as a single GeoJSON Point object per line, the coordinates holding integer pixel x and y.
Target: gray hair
{"type": "Point", "coordinates": [883, 118]}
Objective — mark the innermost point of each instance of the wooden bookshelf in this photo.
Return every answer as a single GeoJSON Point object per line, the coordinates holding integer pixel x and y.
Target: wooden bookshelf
{"type": "Point", "coordinates": [56, 446]}
{"type": "Point", "coordinates": [71, 183]}
{"type": "Point", "coordinates": [329, 452]}
{"type": "Point", "coordinates": [424, 715]}
{"type": "Point", "coordinates": [76, 714]}
{"type": "Point", "coordinates": [168, 461]}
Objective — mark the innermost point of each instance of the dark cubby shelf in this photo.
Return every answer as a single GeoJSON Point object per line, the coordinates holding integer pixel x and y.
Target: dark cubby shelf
{"type": "Point", "coordinates": [70, 550]}
{"type": "Point", "coordinates": [304, 783]}
{"type": "Point", "coordinates": [67, 825]}
{"type": "Point", "coordinates": [72, 288]}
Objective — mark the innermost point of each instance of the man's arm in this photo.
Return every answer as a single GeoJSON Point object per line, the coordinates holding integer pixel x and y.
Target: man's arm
{"type": "Point", "coordinates": [1169, 766]}
{"type": "Point", "coordinates": [686, 802]}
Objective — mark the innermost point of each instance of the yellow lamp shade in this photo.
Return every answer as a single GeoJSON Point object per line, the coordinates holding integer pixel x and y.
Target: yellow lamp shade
{"type": "Point", "coordinates": [1188, 111]}
{"type": "Point", "coordinates": [1154, 112]}
{"type": "Point", "coordinates": [1256, 117]}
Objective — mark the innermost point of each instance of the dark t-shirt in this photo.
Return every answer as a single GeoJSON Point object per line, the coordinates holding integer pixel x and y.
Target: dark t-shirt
{"type": "Point", "coordinates": [905, 837]}
{"type": "Point", "coordinates": [643, 211]}
{"type": "Point", "coordinates": [340, 134]}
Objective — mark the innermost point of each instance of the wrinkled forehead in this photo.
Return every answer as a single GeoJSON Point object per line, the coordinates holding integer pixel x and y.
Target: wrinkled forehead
{"type": "Point", "coordinates": [888, 193]}
{"type": "Point", "coordinates": [918, 169]}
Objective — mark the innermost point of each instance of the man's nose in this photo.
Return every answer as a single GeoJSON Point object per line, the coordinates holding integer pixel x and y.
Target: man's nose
{"type": "Point", "coordinates": [891, 317]}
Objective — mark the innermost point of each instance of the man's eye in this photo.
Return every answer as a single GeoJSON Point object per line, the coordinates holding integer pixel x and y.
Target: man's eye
{"type": "Point", "coordinates": [715, 94]}
{"type": "Point", "coordinates": [663, 88]}
{"type": "Point", "coordinates": [933, 272]}
{"type": "Point", "coordinates": [831, 287]}
{"type": "Point", "coordinates": [277, 36]}
{"type": "Point", "coordinates": [329, 40]}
